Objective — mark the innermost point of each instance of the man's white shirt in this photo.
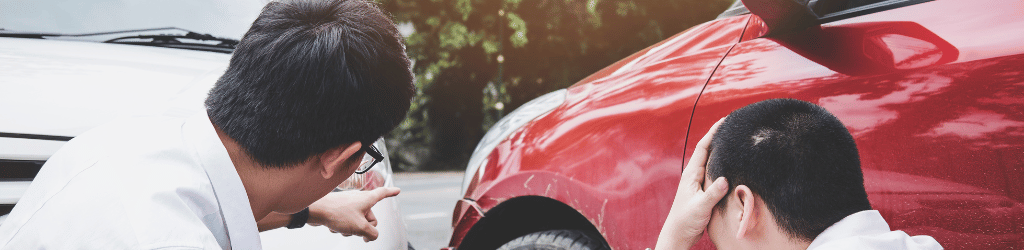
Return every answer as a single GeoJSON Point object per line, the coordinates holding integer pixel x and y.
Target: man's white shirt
{"type": "Point", "coordinates": [140, 183]}
{"type": "Point", "coordinates": [868, 230]}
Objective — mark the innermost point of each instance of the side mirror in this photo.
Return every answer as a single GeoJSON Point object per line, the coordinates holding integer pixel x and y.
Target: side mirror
{"type": "Point", "coordinates": [782, 16]}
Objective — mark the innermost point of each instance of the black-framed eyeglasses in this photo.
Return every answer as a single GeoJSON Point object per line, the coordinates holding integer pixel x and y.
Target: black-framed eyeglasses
{"type": "Point", "coordinates": [372, 157]}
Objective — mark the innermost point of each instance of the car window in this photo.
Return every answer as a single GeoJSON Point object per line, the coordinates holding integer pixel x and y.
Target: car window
{"type": "Point", "coordinates": [825, 7]}
{"type": "Point", "coordinates": [736, 9]}
{"type": "Point", "coordinates": [832, 10]}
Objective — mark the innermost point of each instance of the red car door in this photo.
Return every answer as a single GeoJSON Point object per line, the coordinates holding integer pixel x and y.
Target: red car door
{"type": "Point", "coordinates": [933, 94]}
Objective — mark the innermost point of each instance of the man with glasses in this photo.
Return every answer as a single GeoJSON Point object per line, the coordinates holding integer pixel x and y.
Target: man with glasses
{"type": "Point", "coordinates": [309, 88]}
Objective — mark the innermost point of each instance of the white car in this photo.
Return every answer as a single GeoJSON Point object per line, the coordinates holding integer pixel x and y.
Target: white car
{"type": "Point", "coordinates": [69, 66]}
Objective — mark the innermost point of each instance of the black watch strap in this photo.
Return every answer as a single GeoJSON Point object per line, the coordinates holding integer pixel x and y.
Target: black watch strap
{"type": "Point", "coordinates": [299, 219]}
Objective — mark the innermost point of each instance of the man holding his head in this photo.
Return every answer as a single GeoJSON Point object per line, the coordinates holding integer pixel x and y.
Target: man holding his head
{"type": "Point", "coordinates": [309, 88]}
{"type": "Point", "coordinates": [794, 182]}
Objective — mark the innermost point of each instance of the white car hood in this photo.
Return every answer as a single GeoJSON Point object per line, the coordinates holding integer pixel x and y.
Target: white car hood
{"type": "Point", "coordinates": [64, 88]}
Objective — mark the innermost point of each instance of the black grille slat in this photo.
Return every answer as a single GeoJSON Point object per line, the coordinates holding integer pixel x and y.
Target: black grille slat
{"type": "Point", "coordinates": [6, 208]}
{"type": "Point", "coordinates": [19, 170]}
{"type": "Point", "coordinates": [36, 137]}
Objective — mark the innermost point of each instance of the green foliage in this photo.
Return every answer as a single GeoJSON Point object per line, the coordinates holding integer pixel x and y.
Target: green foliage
{"type": "Point", "coordinates": [476, 60]}
{"type": "Point", "coordinates": [463, 7]}
{"type": "Point", "coordinates": [518, 26]}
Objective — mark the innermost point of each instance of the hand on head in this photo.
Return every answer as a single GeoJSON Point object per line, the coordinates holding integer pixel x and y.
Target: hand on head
{"type": "Point", "coordinates": [691, 209]}
{"type": "Point", "coordinates": [349, 213]}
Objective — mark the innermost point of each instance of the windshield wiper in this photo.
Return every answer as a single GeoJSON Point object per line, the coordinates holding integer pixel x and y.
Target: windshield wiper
{"type": "Point", "coordinates": [225, 45]}
{"type": "Point", "coordinates": [6, 33]}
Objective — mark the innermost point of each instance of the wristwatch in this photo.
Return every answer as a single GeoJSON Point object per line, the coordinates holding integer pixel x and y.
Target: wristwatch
{"type": "Point", "coordinates": [299, 219]}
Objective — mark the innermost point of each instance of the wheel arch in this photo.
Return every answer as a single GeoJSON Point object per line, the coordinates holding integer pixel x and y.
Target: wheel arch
{"type": "Point", "coordinates": [523, 215]}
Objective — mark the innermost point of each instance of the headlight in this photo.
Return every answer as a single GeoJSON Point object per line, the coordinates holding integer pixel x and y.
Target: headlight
{"type": "Point", "coordinates": [375, 178]}
{"type": "Point", "coordinates": [508, 124]}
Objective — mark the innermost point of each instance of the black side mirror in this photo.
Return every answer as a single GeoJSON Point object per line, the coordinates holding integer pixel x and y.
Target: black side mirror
{"type": "Point", "coordinates": [782, 16]}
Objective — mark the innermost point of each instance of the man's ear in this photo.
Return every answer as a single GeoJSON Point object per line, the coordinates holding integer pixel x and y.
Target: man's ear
{"type": "Point", "coordinates": [749, 212]}
{"type": "Point", "coordinates": [335, 158]}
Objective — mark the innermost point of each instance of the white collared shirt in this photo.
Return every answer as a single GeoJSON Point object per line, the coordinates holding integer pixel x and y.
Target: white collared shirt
{"type": "Point", "coordinates": [139, 183]}
{"type": "Point", "coordinates": [868, 230]}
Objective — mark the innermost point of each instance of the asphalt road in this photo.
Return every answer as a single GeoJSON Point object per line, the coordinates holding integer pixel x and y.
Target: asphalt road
{"type": "Point", "coordinates": [426, 203]}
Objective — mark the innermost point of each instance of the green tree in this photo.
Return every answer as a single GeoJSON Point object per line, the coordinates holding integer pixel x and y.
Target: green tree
{"type": "Point", "coordinates": [475, 60]}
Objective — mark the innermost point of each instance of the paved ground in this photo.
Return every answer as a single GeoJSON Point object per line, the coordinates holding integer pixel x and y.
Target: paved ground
{"type": "Point", "coordinates": [426, 202]}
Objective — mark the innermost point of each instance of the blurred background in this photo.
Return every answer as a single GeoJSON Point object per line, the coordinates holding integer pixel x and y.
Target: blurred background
{"type": "Point", "coordinates": [477, 60]}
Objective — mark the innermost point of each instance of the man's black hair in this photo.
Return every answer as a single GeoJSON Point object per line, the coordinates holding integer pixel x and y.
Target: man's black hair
{"type": "Point", "coordinates": [311, 75]}
{"type": "Point", "coordinates": [797, 157]}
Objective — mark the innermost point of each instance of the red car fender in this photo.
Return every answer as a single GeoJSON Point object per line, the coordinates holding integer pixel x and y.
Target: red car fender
{"type": "Point", "coordinates": [581, 197]}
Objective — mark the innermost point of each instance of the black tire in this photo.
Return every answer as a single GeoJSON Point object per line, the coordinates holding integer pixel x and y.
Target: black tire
{"type": "Point", "coordinates": [556, 240]}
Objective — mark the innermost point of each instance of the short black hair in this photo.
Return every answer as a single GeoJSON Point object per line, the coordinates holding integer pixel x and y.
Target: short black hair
{"type": "Point", "coordinates": [311, 75]}
{"type": "Point", "coordinates": [797, 157]}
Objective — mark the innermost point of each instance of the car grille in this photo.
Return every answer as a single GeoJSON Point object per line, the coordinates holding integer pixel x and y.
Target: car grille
{"type": "Point", "coordinates": [19, 170]}
{"type": "Point", "coordinates": [6, 208]}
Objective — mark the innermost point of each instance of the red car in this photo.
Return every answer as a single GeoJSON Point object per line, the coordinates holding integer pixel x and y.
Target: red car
{"type": "Point", "coordinates": [932, 91]}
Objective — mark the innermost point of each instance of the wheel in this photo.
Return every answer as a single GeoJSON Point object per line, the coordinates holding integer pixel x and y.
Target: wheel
{"type": "Point", "coordinates": [556, 240]}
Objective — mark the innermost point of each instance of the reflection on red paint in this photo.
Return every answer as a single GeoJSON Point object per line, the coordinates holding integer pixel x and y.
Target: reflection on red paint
{"type": "Point", "coordinates": [941, 140]}
{"type": "Point", "coordinates": [691, 41]}
{"type": "Point", "coordinates": [906, 52]}
{"type": "Point", "coordinates": [957, 215]}
{"type": "Point", "coordinates": [755, 28]}
{"type": "Point", "coordinates": [871, 48]}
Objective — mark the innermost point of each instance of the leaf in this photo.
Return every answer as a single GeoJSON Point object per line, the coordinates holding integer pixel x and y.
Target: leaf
{"type": "Point", "coordinates": [433, 22]}
{"type": "Point", "coordinates": [624, 8]}
{"type": "Point", "coordinates": [512, 4]}
{"type": "Point", "coordinates": [515, 22]}
{"type": "Point", "coordinates": [454, 36]}
{"type": "Point", "coordinates": [594, 17]}
{"type": "Point", "coordinates": [518, 38]}
{"type": "Point", "coordinates": [490, 46]}
{"type": "Point", "coordinates": [592, 7]}
{"type": "Point", "coordinates": [464, 7]}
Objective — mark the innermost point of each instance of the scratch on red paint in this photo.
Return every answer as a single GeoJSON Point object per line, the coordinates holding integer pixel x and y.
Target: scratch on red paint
{"type": "Point", "coordinates": [525, 184]}
{"type": "Point", "coordinates": [600, 217]}
{"type": "Point", "coordinates": [547, 189]}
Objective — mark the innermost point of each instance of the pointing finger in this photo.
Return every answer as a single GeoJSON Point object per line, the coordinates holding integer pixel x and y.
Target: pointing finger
{"type": "Point", "coordinates": [384, 192]}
